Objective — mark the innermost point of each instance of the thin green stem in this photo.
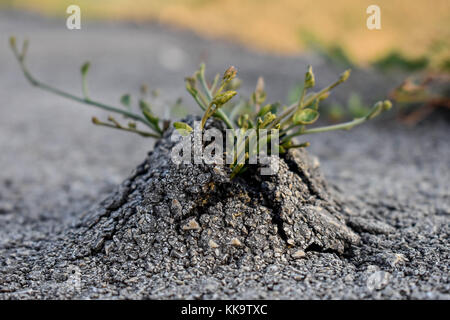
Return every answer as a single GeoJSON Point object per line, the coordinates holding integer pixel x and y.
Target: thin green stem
{"type": "Point", "coordinates": [342, 126]}
{"type": "Point", "coordinates": [219, 113]}
{"type": "Point", "coordinates": [201, 77]}
{"type": "Point", "coordinates": [302, 97]}
{"type": "Point", "coordinates": [236, 111]}
{"type": "Point", "coordinates": [62, 93]}
{"type": "Point", "coordinates": [214, 84]}
{"type": "Point", "coordinates": [198, 100]}
{"type": "Point", "coordinates": [84, 87]}
{"type": "Point", "coordinates": [294, 106]}
{"type": "Point", "coordinates": [133, 130]}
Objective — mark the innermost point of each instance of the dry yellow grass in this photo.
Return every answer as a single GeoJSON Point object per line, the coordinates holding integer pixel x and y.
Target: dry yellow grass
{"type": "Point", "coordinates": [276, 25]}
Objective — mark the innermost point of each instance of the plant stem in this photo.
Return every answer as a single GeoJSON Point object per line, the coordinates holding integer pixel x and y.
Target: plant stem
{"type": "Point", "coordinates": [119, 127]}
{"type": "Point", "coordinates": [198, 100]}
{"type": "Point", "coordinates": [219, 113]}
{"type": "Point", "coordinates": [215, 82]}
{"type": "Point", "coordinates": [84, 87]}
{"type": "Point", "coordinates": [342, 126]}
{"type": "Point", "coordinates": [302, 97]}
{"type": "Point", "coordinates": [201, 77]}
{"type": "Point", "coordinates": [294, 106]}
{"type": "Point", "coordinates": [87, 101]}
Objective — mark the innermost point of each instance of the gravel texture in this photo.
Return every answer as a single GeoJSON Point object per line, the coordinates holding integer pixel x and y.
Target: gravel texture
{"type": "Point", "coordinates": [55, 241]}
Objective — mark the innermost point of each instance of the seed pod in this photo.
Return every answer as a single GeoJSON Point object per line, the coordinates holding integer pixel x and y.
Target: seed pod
{"type": "Point", "coordinates": [229, 74]}
{"type": "Point", "coordinates": [95, 120]}
{"type": "Point", "coordinates": [344, 75]}
{"type": "Point", "coordinates": [223, 98]}
{"type": "Point", "coordinates": [387, 105]}
{"type": "Point", "coordinates": [305, 116]}
{"type": "Point", "coordinates": [309, 78]}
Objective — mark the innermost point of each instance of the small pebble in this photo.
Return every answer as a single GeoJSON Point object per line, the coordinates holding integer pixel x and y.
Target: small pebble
{"type": "Point", "coordinates": [298, 254]}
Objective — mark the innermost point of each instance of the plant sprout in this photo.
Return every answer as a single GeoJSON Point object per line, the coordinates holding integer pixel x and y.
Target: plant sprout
{"type": "Point", "coordinates": [215, 99]}
{"type": "Point", "coordinates": [290, 122]}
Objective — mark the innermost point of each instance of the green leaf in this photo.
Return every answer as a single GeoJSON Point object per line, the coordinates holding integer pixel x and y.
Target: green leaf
{"type": "Point", "coordinates": [268, 119]}
{"type": "Point", "coordinates": [305, 116]}
{"type": "Point", "coordinates": [125, 100]}
{"type": "Point", "coordinates": [183, 128]}
{"type": "Point", "coordinates": [148, 114]}
{"type": "Point", "coordinates": [85, 68]}
{"type": "Point", "coordinates": [264, 110]}
{"type": "Point", "coordinates": [144, 106]}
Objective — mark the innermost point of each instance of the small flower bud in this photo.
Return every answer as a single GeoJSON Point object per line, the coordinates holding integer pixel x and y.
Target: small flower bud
{"type": "Point", "coordinates": [223, 98]}
{"type": "Point", "coordinates": [95, 120]}
{"type": "Point", "coordinates": [190, 83]}
{"type": "Point", "coordinates": [260, 122]}
{"type": "Point", "coordinates": [229, 74]}
{"type": "Point", "coordinates": [12, 42]}
{"type": "Point", "coordinates": [344, 75]}
{"type": "Point", "coordinates": [85, 68]}
{"type": "Point", "coordinates": [309, 78]}
{"type": "Point", "coordinates": [260, 85]}
{"type": "Point", "coordinates": [387, 105]}
{"type": "Point", "coordinates": [324, 96]}
{"type": "Point", "coordinates": [183, 128]}
{"type": "Point", "coordinates": [268, 118]}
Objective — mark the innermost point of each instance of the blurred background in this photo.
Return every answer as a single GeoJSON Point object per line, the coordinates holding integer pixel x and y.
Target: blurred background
{"type": "Point", "coordinates": [413, 29]}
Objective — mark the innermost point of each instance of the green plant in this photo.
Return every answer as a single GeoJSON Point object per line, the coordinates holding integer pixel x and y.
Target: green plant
{"type": "Point", "coordinates": [215, 99]}
{"type": "Point", "coordinates": [395, 60]}
{"type": "Point", "coordinates": [146, 117]}
{"type": "Point", "coordinates": [292, 121]}
{"type": "Point", "coordinates": [418, 97]}
{"type": "Point", "coordinates": [334, 52]}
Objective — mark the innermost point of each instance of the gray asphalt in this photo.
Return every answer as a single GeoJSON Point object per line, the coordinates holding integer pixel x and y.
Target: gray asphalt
{"type": "Point", "coordinates": [56, 164]}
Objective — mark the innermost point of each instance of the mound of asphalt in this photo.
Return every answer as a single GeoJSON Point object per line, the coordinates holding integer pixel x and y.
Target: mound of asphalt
{"type": "Point", "coordinates": [194, 213]}
{"type": "Point", "coordinates": [170, 217]}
